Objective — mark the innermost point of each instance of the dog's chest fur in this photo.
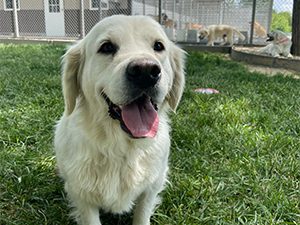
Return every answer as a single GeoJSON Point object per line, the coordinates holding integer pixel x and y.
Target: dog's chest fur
{"type": "Point", "coordinates": [115, 182]}
{"type": "Point", "coordinates": [111, 175]}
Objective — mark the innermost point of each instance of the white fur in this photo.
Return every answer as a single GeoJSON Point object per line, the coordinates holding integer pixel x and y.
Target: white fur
{"type": "Point", "coordinates": [280, 46]}
{"type": "Point", "coordinates": [101, 165]}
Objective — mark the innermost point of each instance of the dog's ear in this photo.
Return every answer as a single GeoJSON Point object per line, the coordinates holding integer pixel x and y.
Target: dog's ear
{"type": "Point", "coordinates": [72, 61]}
{"type": "Point", "coordinates": [275, 35]}
{"type": "Point", "coordinates": [280, 34]}
{"type": "Point", "coordinates": [177, 57]}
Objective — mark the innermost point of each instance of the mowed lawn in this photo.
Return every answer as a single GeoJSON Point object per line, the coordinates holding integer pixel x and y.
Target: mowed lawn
{"type": "Point", "coordinates": [235, 156]}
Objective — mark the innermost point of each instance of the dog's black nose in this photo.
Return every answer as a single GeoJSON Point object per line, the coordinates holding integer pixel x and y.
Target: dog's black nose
{"type": "Point", "coordinates": [143, 73]}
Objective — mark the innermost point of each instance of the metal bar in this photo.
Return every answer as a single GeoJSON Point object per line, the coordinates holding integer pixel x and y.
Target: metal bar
{"type": "Point", "coordinates": [159, 11]}
{"type": "Point", "coordinates": [190, 13]}
{"type": "Point", "coordinates": [129, 3]}
{"type": "Point", "coordinates": [144, 8]}
{"type": "Point", "coordinates": [180, 13]}
{"type": "Point", "coordinates": [100, 10]}
{"type": "Point", "coordinates": [82, 22]}
{"type": "Point", "coordinates": [15, 18]}
{"type": "Point", "coordinates": [270, 16]}
{"type": "Point", "coordinates": [221, 15]}
{"type": "Point", "coordinates": [197, 13]}
{"type": "Point", "coordinates": [174, 10]}
{"type": "Point", "coordinates": [252, 21]}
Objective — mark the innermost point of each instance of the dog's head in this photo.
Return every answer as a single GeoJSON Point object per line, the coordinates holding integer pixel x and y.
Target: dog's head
{"type": "Point", "coordinates": [276, 36]}
{"type": "Point", "coordinates": [203, 33]}
{"type": "Point", "coordinates": [125, 67]}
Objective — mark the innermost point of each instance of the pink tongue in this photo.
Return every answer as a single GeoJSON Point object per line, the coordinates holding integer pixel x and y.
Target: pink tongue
{"type": "Point", "coordinates": [140, 118]}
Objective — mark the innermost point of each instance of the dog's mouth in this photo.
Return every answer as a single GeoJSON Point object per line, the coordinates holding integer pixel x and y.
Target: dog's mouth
{"type": "Point", "coordinates": [139, 118]}
{"type": "Point", "coordinates": [270, 38]}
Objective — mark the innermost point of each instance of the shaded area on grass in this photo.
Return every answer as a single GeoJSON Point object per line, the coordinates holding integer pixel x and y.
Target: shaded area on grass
{"type": "Point", "coordinates": [234, 157]}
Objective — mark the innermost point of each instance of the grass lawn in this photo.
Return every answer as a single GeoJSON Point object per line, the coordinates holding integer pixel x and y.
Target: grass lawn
{"type": "Point", "coordinates": [235, 156]}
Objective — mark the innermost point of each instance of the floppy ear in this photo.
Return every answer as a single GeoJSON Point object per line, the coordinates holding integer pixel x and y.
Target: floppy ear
{"type": "Point", "coordinates": [178, 65]}
{"type": "Point", "coordinates": [71, 76]}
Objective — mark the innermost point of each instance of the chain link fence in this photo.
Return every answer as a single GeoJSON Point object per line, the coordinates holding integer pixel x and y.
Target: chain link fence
{"type": "Point", "coordinates": [181, 19]}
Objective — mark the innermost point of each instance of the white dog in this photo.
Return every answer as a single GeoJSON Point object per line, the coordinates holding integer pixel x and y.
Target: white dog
{"type": "Point", "coordinates": [225, 32]}
{"type": "Point", "coordinates": [112, 142]}
{"type": "Point", "coordinates": [280, 45]}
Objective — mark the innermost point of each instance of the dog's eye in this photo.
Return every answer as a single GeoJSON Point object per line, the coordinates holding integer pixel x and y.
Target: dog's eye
{"type": "Point", "coordinates": [158, 46]}
{"type": "Point", "coordinates": [108, 48]}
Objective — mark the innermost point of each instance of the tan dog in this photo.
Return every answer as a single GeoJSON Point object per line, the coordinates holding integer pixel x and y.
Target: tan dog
{"type": "Point", "coordinates": [259, 30]}
{"type": "Point", "coordinates": [112, 142]}
{"type": "Point", "coordinates": [165, 21]}
{"type": "Point", "coordinates": [225, 32]}
{"type": "Point", "coordinates": [168, 23]}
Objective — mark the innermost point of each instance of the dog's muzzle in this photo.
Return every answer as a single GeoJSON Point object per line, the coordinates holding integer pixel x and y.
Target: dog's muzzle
{"type": "Point", "coordinates": [143, 73]}
{"type": "Point", "coordinates": [138, 116]}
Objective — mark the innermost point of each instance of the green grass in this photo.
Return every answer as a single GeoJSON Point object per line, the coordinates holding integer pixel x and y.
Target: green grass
{"type": "Point", "coordinates": [234, 159]}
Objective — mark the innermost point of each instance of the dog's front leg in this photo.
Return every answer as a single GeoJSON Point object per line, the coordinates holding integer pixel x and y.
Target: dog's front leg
{"type": "Point", "coordinates": [144, 208]}
{"type": "Point", "coordinates": [287, 54]}
{"type": "Point", "coordinates": [210, 40]}
{"type": "Point", "coordinates": [86, 214]}
{"type": "Point", "coordinates": [275, 54]}
{"type": "Point", "coordinates": [210, 43]}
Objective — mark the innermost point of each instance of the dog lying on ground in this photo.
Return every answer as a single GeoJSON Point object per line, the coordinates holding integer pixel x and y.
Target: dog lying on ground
{"type": "Point", "coordinates": [193, 26]}
{"type": "Point", "coordinates": [112, 142]}
{"type": "Point", "coordinates": [213, 32]}
{"type": "Point", "coordinates": [280, 45]}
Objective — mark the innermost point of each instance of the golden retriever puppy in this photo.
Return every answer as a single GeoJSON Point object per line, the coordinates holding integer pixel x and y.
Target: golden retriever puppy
{"type": "Point", "coordinates": [165, 21]}
{"type": "Point", "coordinates": [112, 141]}
{"type": "Point", "coordinates": [259, 30]}
{"type": "Point", "coordinates": [225, 32]}
{"type": "Point", "coordinates": [280, 45]}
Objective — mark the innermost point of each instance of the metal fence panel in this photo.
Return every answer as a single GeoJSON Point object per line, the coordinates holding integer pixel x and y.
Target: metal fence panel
{"type": "Point", "coordinates": [180, 18]}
